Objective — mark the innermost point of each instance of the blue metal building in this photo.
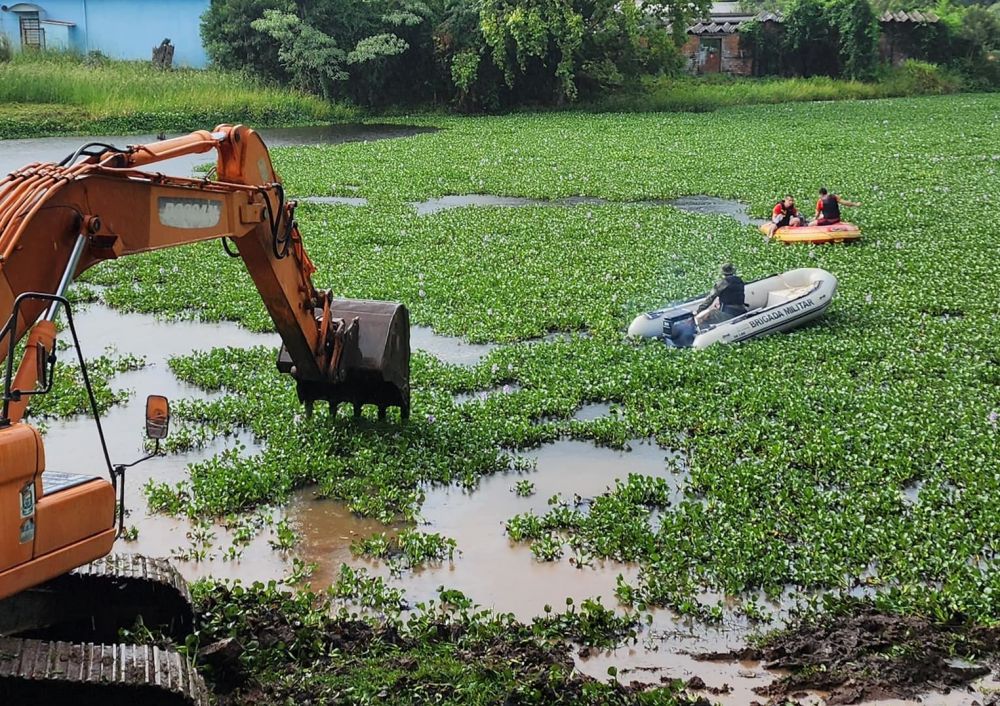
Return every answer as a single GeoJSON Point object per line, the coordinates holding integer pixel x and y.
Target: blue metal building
{"type": "Point", "coordinates": [121, 29]}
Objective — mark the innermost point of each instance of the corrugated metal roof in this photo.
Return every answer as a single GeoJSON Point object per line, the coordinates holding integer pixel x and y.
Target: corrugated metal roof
{"type": "Point", "coordinates": [727, 24]}
{"type": "Point", "coordinates": [911, 16]}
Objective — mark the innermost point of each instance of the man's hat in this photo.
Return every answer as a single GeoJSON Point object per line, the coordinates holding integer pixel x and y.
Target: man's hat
{"type": "Point", "coordinates": [728, 269]}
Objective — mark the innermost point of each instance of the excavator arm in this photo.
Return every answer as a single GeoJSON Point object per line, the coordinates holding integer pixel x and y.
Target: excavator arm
{"type": "Point", "coordinates": [56, 221]}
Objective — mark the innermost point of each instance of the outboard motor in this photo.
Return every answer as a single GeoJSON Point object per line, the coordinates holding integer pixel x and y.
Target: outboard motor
{"type": "Point", "coordinates": [680, 330]}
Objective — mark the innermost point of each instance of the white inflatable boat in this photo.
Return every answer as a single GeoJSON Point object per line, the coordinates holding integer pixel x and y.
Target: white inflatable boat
{"type": "Point", "coordinates": [775, 303]}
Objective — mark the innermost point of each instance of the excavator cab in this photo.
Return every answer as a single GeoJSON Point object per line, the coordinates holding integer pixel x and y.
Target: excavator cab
{"type": "Point", "coordinates": [63, 598]}
{"type": "Point", "coordinates": [66, 517]}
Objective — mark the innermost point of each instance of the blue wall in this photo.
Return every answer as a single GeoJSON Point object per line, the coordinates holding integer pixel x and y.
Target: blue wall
{"type": "Point", "coordinates": [121, 29]}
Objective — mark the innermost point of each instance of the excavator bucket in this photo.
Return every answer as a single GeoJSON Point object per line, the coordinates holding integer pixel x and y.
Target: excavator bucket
{"type": "Point", "coordinates": [370, 362]}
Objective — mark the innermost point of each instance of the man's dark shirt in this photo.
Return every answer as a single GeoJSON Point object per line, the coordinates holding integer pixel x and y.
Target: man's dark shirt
{"type": "Point", "coordinates": [729, 292]}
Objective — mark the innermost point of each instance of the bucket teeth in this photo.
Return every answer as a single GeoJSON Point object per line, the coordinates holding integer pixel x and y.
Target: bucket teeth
{"type": "Point", "coordinates": [367, 352]}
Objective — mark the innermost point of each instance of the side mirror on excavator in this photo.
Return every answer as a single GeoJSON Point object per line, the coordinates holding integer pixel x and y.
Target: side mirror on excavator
{"type": "Point", "coordinates": [157, 427]}
{"type": "Point", "coordinates": [157, 417]}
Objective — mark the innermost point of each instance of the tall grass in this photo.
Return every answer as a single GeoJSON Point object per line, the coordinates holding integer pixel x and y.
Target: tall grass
{"type": "Point", "coordinates": [711, 93]}
{"type": "Point", "coordinates": [134, 95]}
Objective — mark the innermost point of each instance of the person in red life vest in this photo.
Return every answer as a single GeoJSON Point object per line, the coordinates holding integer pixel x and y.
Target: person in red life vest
{"type": "Point", "coordinates": [828, 208]}
{"type": "Point", "coordinates": [784, 214]}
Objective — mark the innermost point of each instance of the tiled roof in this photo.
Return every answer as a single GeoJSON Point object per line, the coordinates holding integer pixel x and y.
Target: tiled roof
{"type": "Point", "coordinates": [912, 16]}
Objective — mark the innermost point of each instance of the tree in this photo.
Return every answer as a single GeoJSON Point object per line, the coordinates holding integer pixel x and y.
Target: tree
{"type": "Point", "coordinates": [810, 36]}
{"type": "Point", "coordinates": [537, 37]}
{"type": "Point", "coordinates": [550, 49]}
{"type": "Point", "coordinates": [312, 58]}
{"type": "Point", "coordinates": [232, 43]}
{"type": "Point", "coordinates": [857, 31]}
{"type": "Point", "coordinates": [981, 29]}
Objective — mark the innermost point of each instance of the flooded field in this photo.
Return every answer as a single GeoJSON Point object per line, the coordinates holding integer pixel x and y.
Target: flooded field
{"type": "Point", "coordinates": [817, 465]}
{"type": "Point", "coordinates": [488, 567]}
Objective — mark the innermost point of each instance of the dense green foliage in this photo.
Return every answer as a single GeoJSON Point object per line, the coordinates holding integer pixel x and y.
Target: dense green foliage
{"type": "Point", "coordinates": [53, 93]}
{"type": "Point", "coordinates": [860, 450]}
{"type": "Point", "coordinates": [841, 38]}
{"type": "Point", "coordinates": [69, 395]}
{"type": "Point", "coordinates": [234, 44]}
{"type": "Point", "coordinates": [506, 53]}
{"type": "Point", "coordinates": [857, 38]}
{"type": "Point", "coordinates": [706, 93]}
{"type": "Point", "coordinates": [490, 55]}
{"type": "Point", "coordinates": [818, 38]}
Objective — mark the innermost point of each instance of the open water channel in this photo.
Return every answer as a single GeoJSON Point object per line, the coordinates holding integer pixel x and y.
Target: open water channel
{"type": "Point", "coordinates": [492, 570]}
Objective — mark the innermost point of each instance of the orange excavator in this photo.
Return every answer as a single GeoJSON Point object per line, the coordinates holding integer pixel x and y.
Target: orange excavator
{"type": "Point", "coordinates": [64, 598]}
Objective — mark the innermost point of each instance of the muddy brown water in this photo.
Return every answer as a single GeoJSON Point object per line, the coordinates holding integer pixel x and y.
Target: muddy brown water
{"type": "Point", "coordinates": [489, 568]}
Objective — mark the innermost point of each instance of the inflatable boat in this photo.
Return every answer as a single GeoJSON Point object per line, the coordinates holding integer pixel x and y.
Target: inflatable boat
{"type": "Point", "coordinates": [837, 233]}
{"type": "Point", "coordinates": [776, 303]}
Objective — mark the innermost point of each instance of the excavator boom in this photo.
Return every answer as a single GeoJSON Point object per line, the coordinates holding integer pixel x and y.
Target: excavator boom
{"type": "Point", "coordinates": [56, 221]}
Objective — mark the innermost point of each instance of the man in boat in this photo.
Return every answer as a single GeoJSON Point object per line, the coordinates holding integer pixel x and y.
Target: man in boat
{"type": "Point", "coordinates": [828, 208]}
{"type": "Point", "coordinates": [725, 301]}
{"type": "Point", "coordinates": [784, 214]}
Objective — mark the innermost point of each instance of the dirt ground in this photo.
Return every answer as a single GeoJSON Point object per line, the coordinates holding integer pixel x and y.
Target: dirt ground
{"type": "Point", "coordinates": [865, 654]}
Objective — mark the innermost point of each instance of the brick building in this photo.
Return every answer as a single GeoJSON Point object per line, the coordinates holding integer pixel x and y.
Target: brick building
{"type": "Point", "coordinates": [713, 44]}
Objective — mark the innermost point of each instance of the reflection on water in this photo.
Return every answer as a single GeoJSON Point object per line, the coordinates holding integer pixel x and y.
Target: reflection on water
{"type": "Point", "coordinates": [490, 568]}
{"type": "Point", "coordinates": [326, 529]}
{"type": "Point", "coordinates": [15, 154]}
{"type": "Point", "coordinates": [334, 200]}
{"type": "Point", "coordinates": [701, 204]}
{"type": "Point", "coordinates": [73, 444]}
{"type": "Point", "coordinates": [444, 203]}
{"type": "Point", "coordinates": [449, 349]}
{"type": "Point", "coordinates": [592, 411]}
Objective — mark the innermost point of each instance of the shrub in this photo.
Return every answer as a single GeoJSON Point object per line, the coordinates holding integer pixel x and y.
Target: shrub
{"type": "Point", "coordinates": [921, 78]}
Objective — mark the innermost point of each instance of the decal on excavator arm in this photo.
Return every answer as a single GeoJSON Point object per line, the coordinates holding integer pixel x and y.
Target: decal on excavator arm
{"type": "Point", "coordinates": [28, 500]}
{"type": "Point", "coordinates": [189, 213]}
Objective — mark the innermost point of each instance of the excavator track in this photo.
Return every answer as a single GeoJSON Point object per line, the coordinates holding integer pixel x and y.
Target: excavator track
{"type": "Point", "coordinates": [59, 642]}
{"type": "Point", "coordinates": [42, 672]}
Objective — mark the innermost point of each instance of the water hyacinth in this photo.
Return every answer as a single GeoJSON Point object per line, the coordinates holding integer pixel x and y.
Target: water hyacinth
{"type": "Point", "coordinates": [797, 448]}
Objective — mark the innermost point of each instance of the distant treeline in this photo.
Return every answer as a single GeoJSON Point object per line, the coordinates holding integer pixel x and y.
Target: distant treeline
{"type": "Point", "coordinates": [497, 54]}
